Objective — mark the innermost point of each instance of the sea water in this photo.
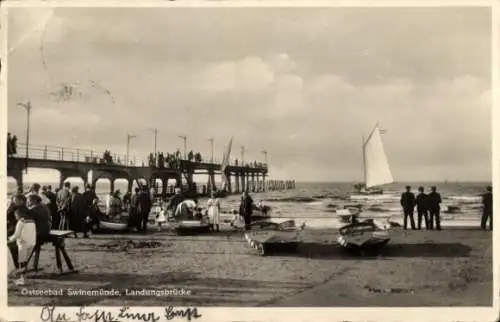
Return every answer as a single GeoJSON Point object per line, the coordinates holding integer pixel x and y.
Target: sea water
{"type": "Point", "coordinates": [316, 203]}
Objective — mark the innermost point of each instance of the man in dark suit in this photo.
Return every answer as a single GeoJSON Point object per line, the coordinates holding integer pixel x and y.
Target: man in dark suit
{"type": "Point", "coordinates": [41, 216]}
{"type": "Point", "coordinates": [143, 209]}
{"type": "Point", "coordinates": [422, 210]}
{"type": "Point", "coordinates": [79, 211]}
{"type": "Point", "coordinates": [246, 209]}
{"type": "Point", "coordinates": [133, 217]}
{"type": "Point", "coordinates": [433, 203]}
{"type": "Point", "coordinates": [63, 206]}
{"type": "Point", "coordinates": [52, 205]}
{"type": "Point", "coordinates": [487, 208]}
{"type": "Point", "coordinates": [408, 204]}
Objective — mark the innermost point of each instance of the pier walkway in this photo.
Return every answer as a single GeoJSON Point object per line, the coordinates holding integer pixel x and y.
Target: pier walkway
{"type": "Point", "coordinates": [74, 162]}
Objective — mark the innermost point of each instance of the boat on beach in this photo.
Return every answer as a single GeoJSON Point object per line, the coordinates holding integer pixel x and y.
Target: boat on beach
{"type": "Point", "coordinates": [272, 236]}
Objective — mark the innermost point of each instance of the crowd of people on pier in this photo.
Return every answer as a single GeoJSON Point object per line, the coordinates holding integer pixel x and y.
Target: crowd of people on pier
{"type": "Point", "coordinates": [429, 208]}
{"type": "Point", "coordinates": [11, 145]}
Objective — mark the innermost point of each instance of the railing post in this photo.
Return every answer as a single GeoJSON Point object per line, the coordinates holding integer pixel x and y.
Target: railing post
{"type": "Point", "coordinates": [45, 153]}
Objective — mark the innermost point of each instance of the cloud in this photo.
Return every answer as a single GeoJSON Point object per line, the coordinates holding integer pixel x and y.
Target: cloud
{"type": "Point", "coordinates": [305, 84]}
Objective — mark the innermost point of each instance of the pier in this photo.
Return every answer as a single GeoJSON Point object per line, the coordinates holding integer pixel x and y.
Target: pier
{"type": "Point", "coordinates": [78, 163]}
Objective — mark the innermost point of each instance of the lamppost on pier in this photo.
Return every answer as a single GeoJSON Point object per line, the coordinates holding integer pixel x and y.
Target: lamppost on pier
{"type": "Point", "coordinates": [155, 132]}
{"type": "Point", "coordinates": [184, 138]}
{"type": "Point", "coordinates": [265, 156]}
{"type": "Point", "coordinates": [211, 149]}
{"type": "Point", "coordinates": [242, 156]}
{"type": "Point", "coordinates": [27, 107]}
{"type": "Point", "coordinates": [129, 136]}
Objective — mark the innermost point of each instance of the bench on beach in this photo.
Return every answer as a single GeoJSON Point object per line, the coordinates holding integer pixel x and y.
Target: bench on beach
{"type": "Point", "coordinates": [56, 237]}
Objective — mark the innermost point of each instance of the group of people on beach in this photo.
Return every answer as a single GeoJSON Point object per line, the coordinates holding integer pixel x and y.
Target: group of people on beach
{"type": "Point", "coordinates": [429, 208]}
{"type": "Point", "coordinates": [31, 216]}
{"type": "Point", "coordinates": [11, 145]}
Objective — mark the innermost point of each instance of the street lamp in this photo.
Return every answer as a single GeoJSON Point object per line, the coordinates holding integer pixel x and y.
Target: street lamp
{"type": "Point", "coordinates": [155, 132]}
{"type": "Point", "coordinates": [211, 149]}
{"type": "Point", "coordinates": [265, 156]}
{"type": "Point", "coordinates": [242, 156]}
{"type": "Point", "coordinates": [184, 138]}
{"type": "Point", "coordinates": [129, 136]}
{"type": "Point", "coordinates": [27, 107]}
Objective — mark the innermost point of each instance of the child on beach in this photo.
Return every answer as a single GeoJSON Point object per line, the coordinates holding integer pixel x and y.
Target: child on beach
{"type": "Point", "coordinates": [25, 238]}
{"type": "Point", "coordinates": [160, 217]}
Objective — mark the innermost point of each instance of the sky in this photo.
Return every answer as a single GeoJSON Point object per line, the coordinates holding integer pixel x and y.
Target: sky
{"type": "Point", "coordinates": [305, 84]}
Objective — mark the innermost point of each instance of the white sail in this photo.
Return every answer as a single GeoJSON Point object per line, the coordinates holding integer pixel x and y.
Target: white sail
{"type": "Point", "coordinates": [225, 162]}
{"type": "Point", "coordinates": [377, 170]}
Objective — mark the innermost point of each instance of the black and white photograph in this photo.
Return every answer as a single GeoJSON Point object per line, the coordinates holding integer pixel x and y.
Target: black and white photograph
{"type": "Point", "coordinates": [248, 156]}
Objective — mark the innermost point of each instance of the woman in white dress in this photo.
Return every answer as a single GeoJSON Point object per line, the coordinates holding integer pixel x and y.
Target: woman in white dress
{"type": "Point", "coordinates": [161, 217]}
{"type": "Point", "coordinates": [213, 205]}
{"type": "Point", "coordinates": [25, 238]}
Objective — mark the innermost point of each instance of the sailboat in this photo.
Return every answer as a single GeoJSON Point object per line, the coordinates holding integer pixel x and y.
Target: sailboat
{"type": "Point", "coordinates": [225, 163]}
{"type": "Point", "coordinates": [375, 165]}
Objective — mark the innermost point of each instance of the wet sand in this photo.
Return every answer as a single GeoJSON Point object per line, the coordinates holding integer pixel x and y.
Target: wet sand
{"type": "Point", "coordinates": [418, 268]}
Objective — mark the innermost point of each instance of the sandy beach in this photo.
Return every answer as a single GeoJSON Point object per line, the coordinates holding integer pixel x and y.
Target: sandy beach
{"type": "Point", "coordinates": [418, 268]}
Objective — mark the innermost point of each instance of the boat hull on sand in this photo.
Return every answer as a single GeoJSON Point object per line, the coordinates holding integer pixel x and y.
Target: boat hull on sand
{"type": "Point", "coordinates": [363, 237]}
{"type": "Point", "coordinates": [274, 236]}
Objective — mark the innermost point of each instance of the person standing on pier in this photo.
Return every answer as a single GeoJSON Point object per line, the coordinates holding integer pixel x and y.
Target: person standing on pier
{"type": "Point", "coordinates": [434, 201]}
{"type": "Point", "coordinates": [246, 208]}
{"type": "Point", "coordinates": [422, 209]}
{"type": "Point", "coordinates": [408, 204]}
{"type": "Point", "coordinates": [487, 201]}
{"type": "Point", "coordinates": [63, 206]}
{"type": "Point", "coordinates": [214, 210]}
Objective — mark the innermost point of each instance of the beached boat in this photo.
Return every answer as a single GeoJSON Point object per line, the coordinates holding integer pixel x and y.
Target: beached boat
{"type": "Point", "coordinates": [364, 236]}
{"type": "Point", "coordinates": [376, 168]}
{"type": "Point", "coordinates": [274, 236]}
{"type": "Point", "coordinates": [189, 219]}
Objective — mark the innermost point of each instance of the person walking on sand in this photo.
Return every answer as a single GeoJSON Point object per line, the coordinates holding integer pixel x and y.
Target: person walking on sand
{"type": "Point", "coordinates": [143, 209]}
{"type": "Point", "coordinates": [133, 217]}
{"type": "Point", "coordinates": [246, 208]}
{"type": "Point", "coordinates": [408, 204]}
{"type": "Point", "coordinates": [487, 208]}
{"type": "Point", "coordinates": [63, 206]}
{"type": "Point", "coordinates": [422, 211]}
{"type": "Point", "coordinates": [433, 203]}
{"type": "Point", "coordinates": [214, 210]}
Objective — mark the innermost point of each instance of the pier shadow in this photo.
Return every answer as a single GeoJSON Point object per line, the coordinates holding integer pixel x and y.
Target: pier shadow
{"type": "Point", "coordinates": [333, 251]}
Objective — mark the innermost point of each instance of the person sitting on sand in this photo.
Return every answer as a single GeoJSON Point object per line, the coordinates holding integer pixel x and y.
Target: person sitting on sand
{"type": "Point", "coordinates": [24, 240]}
